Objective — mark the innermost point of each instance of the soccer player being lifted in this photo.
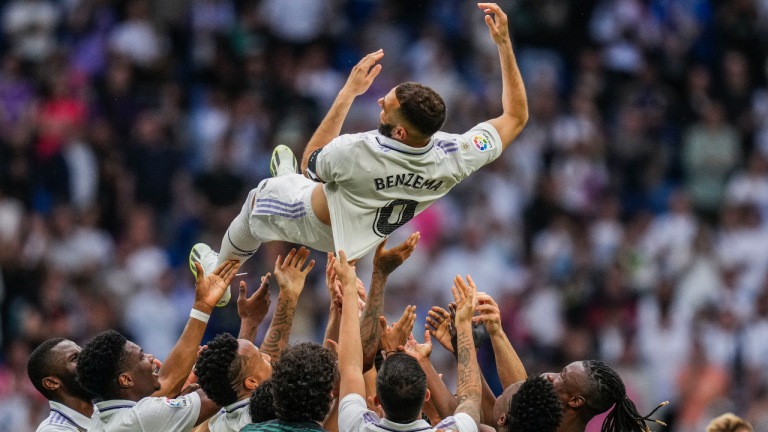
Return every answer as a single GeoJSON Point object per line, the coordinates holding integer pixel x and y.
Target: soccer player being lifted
{"type": "Point", "coordinates": [357, 189]}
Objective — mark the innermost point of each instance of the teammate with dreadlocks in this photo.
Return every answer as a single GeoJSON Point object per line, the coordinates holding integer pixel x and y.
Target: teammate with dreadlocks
{"type": "Point", "coordinates": [229, 370]}
{"type": "Point", "coordinates": [588, 388]}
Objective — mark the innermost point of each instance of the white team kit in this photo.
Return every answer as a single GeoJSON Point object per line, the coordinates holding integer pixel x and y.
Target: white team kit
{"type": "Point", "coordinates": [64, 419]}
{"type": "Point", "coordinates": [151, 414]}
{"type": "Point", "coordinates": [373, 184]}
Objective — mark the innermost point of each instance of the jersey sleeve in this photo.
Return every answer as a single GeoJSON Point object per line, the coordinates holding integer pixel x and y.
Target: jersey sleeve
{"type": "Point", "coordinates": [478, 147]}
{"type": "Point", "coordinates": [330, 163]}
{"type": "Point", "coordinates": [169, 415]}
{"type": "Point", "coordinates": [354, 414]}
{"type": "Point", "coordinates": [461, 422]}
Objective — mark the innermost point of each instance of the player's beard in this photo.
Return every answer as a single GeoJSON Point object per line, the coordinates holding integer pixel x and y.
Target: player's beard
{"type": "Point", "coordinates": [386, 129]}
{"type": "Point", "coordinates": [75, 389]}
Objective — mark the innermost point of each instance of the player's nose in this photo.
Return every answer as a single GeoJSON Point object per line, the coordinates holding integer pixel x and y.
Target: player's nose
{"type": "Point", "coordinates": [549, 376]}
{"type": "Point", "coordinates": [381, 103]}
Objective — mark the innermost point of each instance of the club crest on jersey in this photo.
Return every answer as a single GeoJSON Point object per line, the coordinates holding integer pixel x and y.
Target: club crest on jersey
{"type": "Point", "coordinates": [482, 142]}
{"type": "Point", "coordinates": [464, 146]}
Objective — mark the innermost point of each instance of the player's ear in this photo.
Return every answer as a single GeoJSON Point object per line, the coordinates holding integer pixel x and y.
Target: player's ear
{"type": "Point", "coordinates": [51, 383]}
{"type": "Point", "coordinates": [124, 380]}
{"type": "Point", "coordinates": [399, 133]}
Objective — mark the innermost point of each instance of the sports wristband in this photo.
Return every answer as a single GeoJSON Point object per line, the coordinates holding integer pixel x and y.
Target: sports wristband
{"type": "Point", "coordinates": [199, 315]}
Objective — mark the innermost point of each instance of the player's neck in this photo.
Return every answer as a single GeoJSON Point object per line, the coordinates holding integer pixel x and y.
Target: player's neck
{"type": "Point", "coordinates": [572, 422]}
{"type": "Point", "coordinates": [415, 143]}
{"type": "Point", "coordinates": [84, 407]}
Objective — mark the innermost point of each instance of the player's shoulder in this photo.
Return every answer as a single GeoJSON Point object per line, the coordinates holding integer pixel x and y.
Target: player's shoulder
{"type": "Point", "coordinates": [157, 404]}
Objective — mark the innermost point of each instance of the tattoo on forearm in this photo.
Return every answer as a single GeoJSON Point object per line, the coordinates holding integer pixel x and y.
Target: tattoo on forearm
{"type": "Point", "coordinates": [370, 331]}
{"type": "Point", "coordinates": [280, 328]}
{"type": "Point", "coordinates": [469, 387]}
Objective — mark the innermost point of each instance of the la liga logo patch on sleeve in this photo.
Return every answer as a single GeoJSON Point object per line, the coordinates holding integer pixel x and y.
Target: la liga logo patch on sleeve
{"type": "Point", "coordinates": [482, 143]}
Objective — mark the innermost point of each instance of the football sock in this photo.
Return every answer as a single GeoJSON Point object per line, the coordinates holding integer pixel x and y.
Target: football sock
{"type": "Point", "coordinates": [238, 243]}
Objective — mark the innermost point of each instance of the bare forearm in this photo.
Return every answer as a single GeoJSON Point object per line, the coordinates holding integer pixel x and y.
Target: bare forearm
{"type": "Point", "coordinates": [370, 331]}
{"type": "Point", "coordinates": [488, 400]}
{"type": "Point", "coordinates": [175, 370]}
{"type": "Point", "coordinates": [330, 127]}
{"type": "Point", "coordinates": [468, 388]}
{"type": "Point", "coordinates": [350, 348]}
{"type": "Point", "coordinates": [280, 329]}
{"type": "Point", "coordinates": [444, 401]}
{"type": "Point", "coordinates": [514, 99]}
{"type": "Point", "coordinates": [248, 330]}
{"type": "Point", "coordinates": [332, 329]}
{"type": "Point", "coordinates": [508, 364]}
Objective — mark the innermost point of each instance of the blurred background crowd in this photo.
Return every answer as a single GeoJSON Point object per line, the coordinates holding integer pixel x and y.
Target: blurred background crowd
{"type": "Point", "coordinates": [627, 223]}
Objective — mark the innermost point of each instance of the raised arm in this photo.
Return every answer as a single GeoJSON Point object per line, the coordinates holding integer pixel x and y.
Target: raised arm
{"type": "Point", "coordinates": [513, 96]}
{"type": "Point", "coordinates": [291, 280]}
{"type": "Point", "coordinates": [468, 388]}
{"type": "Point", "coordinates": [384, 263]}
{"type": "Point", "coordinates": [350, 347]}
{"type": "Point", "coordinates": [253, 310]}
{"type": "Point", "coordinates": [208, 290]}
{"type": "Point", "coordinates": [359, 81]}
{"type": "Point", "coordinates": [508, 364]}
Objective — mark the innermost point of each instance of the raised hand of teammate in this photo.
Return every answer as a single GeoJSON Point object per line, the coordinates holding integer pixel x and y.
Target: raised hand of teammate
{"type": "Point", "coordinates": [253, 310]}
{"type": "Point", "coordinates": [210, 288]}
{"type": "Point", "coordinates": [489, 313]}
{"type": "Point", "coordinates": [417, 350]}
{"type": "Point", "coordinates": [289, 275]}
{"type": "Point", "coordinates": [466, 303]}
{"type": "Point", "coordinates": [393, 337]}
{"type": "Point", "coordinates": [386, 261]}
{"type": "Point", "coordinates": [362, 75]}
{"type": "Point", "coordinates": [499, 27]}
{"type": "Point", "coordinates": [438, 325]}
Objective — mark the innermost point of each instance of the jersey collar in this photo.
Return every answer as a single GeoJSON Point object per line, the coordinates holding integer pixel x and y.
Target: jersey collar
{"type": "Point", "coordinates": [107, 408]}
{"type": "Point", "coordinates": [391, 144]}
{"type": "Point", "coordinates": [418, 425]}
{"type": "Point", "coordinates": [80, 421]}
{"type": "Point", "coordinates": [229, 409]}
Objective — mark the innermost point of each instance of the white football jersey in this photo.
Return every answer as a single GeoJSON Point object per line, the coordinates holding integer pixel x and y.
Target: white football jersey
{"type": "Point", "coordinates": [64, 419]}
{"type": "Point", "coordinates": [231, 418]}
{"type": "Point", "coordinates": [375, 184]}
{"type": "Point", "coordinates": [151, 414]}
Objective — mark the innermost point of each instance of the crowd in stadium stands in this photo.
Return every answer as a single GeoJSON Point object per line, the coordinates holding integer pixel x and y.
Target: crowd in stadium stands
{"type": "Point", "coordinates": [628, 223]}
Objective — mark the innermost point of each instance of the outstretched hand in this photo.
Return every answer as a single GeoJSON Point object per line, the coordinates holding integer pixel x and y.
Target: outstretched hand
{"type": "Point", "coordinates": [362, 75]}
{"type": "Point", "coordinates": [417, 350]}
{"type": "Point", "coordinates": [466, 299]}
{"type": "Point", "coordinates": [255, 308]}
{"type": "Point", "coordinates": [210, 288]}
{"type": "Point", "coordinates": [393, 337]}
{"type": "Point", "coordinates": [499, 27]}
{"type": "Point", "coordinates": [345, 272]}
{"type": "Point", "coordinates": [438, 326]}
{"type": "Point", "coordinates": [288, 273]}
{"type": "Point", "coordinates": [386, 261]}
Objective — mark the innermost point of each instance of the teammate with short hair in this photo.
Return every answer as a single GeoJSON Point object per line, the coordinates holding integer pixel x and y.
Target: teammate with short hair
{"type": "Point", "coordinates": [137, 392]}
{"type": "Point", "coordinates": [52, 369]}
{"type": "Point", "coordinates": [229, 370]}
{"type": "Point", "coordinates": [372, 183]}
{"type": "Point", "coordinates": [302, 382]}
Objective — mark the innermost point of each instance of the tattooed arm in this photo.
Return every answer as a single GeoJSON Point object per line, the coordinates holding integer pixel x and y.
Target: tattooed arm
{"type": "Point", "coordinates": [291, 279]}
{"type": "Point", "coordinates": [469, 387]}
{"type": "Point", "coordinates": [384, 263]}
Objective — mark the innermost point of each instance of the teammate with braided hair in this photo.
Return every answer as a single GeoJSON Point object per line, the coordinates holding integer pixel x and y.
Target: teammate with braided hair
{"type": "Point", "coordinates": [229, 370]}
{"type": "Point", "coordinates": [137, 391]}
{"type": "Point", "coordinates": [588, 388]}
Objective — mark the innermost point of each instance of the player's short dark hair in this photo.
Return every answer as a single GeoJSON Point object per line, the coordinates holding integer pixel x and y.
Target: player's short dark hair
{"type": "Point", "coordinates": [43, 363]}
{"type": "Point", "coordinates": [302, 381]}
{"type": "Point", "coordinates": [421, 107]}
{"type": "Point", "coordinates": [217, 367]}
{"type": "Point", "coordinates": [535, 407]}
{"type": "Point", "coordinates": [402, 387]}
{"type": "Point", "coordinates": [100, 363]}
{"type": "Point", "coordinates": [262, 403]}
